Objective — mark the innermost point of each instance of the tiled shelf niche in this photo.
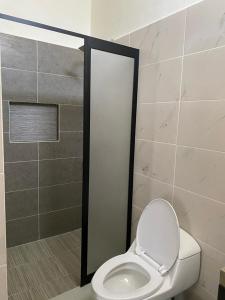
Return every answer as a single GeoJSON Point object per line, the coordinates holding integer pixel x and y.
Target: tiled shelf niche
{"type": "Point", "coordinates": [33, 122]}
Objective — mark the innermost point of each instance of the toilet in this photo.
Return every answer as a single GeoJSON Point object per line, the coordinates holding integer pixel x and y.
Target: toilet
{"type": "Point", "coordinates": [162, 262]}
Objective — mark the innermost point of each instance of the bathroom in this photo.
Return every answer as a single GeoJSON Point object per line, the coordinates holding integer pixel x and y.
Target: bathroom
{"type": "Point", "coordinates": [107, 106]}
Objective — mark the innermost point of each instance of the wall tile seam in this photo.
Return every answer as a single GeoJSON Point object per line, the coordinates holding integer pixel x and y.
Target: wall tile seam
{"type": "Point", "coordinates": [142, 66]}
{"type": "Point", "coordinates": [151, 178]}
{"type": "Point", "coordinates": [70, 131]}
{"type": "Point", "coordinates": [2, 174]}
{"type": "Point", "coordinates": [62, 209]}
{"type": "Point", "coordinates": [162, 61]}
{"type": "Point", "coordinates": [185, 56]}
{"type": "Point", "coordinates": [179, 105]}
{"type": "Point", "coordinates": [210, 246]}
{"type": "Point", "coordinates": [218, 202]}
{"type": "Point", "coordinates": [201, 149]}
{"type": "Point", "coordinates": [169, 183]}
{"type": "Point", "coordinates": [71, 104]}
{"type": "Point", "coordinates": [154, 142]}
{"type": "Point", "coordinates": [41, 72]}
{"type": "Point", "coordinates": [47, 103]}
{"type": "Point", "coordinates": [158, 20]}
{"type": "Point", "coordinates": [44, 186]}
{"type": "Point", "coordinates": [180, 187]}
{"type": "Point", "coordinates": [208, 292]}
{"type": "Point", "coordinates": [43, 159]}
{"type": "Point", "coordinates": [182, 101]}
{"type": "Point", "coordinates": [1, 118]}
{"type": "Point", "coordinates": [137, 207]}
{"type": "Point", "coordinates": [178, 145]}
{"type": "Point", "coordinates": [38, 156]}
{"type": "Point", "coordinates": [177, 57]}
{"type": "Point", "coordinates": [35, 142]}
{"type": "Point", "coordinates": [44, 213]}
{"type": "Point", "coordinates": [140, 102]}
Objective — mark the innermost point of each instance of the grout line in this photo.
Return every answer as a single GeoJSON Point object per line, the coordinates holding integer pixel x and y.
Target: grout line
{"type": "Point", "coordinates": [3, 208]}
{"type": "Point", "coordinates": [61, 209]}
{"type": "Point", "coordinates": [59, 123]}
{"type": "Point", "coordinates": [179, 107]}
{"type": "Point", "coordinates": [60, 75]}
{"type": "Point", "coordinates": [38, 154]}
{"type": "Point", "coordinates": [157, 20]}
{"type": "Point", "coordinates": [38, 190]}
{"type": "Point", "coordinates": [42, 187]}
{"type": "Point", "coordinates": [156, 142]}
{"type": "Point", "coordinates": [39, 72]}
{"type": "Point", "coordinates": [182, 101]}
{"type": "Point", "coordinates": [44, 213]}
{"type": "Point", "coordinates": [49, 237]}
{"type": "Point", "coordinates": [47, 103]}
{"type": "Point", "coordinates": [201, 149]}
{"type": "Point", "coordinates": [161, 61]}
{"type": "Point", "coordinates": [44, 159]}
{"type": "Point", "coordinates": [199, 195]}
{"type": "Point", "coordinates": [182, 56]}
{"type": "Point", "coordinates": [215, 249]}
{"type": "Point", "coordinates": [152, 178]}
{"type": "Point", "coordinates": [22, 70]}
{"type": "Point", "coordinates": [181, 146]}
{"type": "Point", "coordinates": [71, 131]}
{"type": "Point", "coordinates": [159, 102]}
{"type": "Point", "coordinates": [70, 104]}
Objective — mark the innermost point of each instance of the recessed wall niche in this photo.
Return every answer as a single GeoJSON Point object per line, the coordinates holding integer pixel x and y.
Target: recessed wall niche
{"type": "Point", "coordinates": [33, 122]}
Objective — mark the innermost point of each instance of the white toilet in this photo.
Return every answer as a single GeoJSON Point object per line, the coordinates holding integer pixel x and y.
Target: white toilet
{"type": "Point", "coordinates": [162, 262]}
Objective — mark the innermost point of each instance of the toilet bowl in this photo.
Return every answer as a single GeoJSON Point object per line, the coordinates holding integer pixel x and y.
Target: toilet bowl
{"type": "Point", "coordinates": [162, 262]}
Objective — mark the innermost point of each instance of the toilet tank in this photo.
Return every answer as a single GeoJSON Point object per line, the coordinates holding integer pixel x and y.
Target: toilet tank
{"type": "Point", "coordinates": [186, 270]}
{"type": "Point", "coordinates": [188, 245]}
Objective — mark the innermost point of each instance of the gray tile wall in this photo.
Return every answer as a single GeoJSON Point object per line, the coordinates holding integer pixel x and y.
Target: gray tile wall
{"type": "Point", "coordinates": [180, 146]}
{"type": "Point", "coordinates": [3, 260]}
{"type": "Point", "coordinates": [43, 179]}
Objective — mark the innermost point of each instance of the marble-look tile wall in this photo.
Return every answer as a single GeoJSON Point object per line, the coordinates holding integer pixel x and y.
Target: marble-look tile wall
{"type": "Point", "coordinates": [43, 179]}
{"type": "Point", "coordinates": [180, 146]}
{"type": "Point", "coordinates": [3, 261]}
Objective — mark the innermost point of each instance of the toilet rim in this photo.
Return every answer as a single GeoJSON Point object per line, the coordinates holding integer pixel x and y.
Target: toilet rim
{"type": "Point", "coordinates": [151, 287]}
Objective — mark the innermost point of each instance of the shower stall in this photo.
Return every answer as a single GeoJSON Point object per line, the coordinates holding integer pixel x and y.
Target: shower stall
{"type": "Point", "coordinates": [69, 130]}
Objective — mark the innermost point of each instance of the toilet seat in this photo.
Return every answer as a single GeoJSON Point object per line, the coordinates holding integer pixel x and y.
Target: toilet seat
{"type": "Point", "coordinates": [156, 251]}
{"type": "Point", "coordinates": [155, 280]}
{"type": "Point", "coordinates": [158, 235]}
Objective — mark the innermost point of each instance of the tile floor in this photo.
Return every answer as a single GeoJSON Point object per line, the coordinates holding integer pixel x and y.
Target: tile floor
{"type": "Point", "coordinates": [45, 268]}
{"type": "Point", "coordinates": [79, 293]}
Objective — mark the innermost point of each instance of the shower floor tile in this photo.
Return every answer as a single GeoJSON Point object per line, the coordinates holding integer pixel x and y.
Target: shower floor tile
{"type": "Point", "coordinates": [45, 268]}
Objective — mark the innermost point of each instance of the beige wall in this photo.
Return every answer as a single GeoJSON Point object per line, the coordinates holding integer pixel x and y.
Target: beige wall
{"type": "Point", "coordinates": [180, 147]}
{"type": "Point", "coordinates": [74, 15]}
{"type": "Point", "coordinates": [3, 266]}
{"type": "Point", "coordinates": [112, 19]}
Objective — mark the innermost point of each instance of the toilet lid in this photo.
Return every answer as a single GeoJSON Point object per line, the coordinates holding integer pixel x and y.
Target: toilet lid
{"type": "Point", "coordinates": [158, 234]}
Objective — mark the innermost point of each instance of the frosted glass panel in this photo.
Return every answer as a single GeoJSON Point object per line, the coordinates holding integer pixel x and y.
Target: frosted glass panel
{"type": "Point", "coordinates": [110, 131]}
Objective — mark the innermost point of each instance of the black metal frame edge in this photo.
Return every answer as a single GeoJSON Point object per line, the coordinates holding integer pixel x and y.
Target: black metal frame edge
{"type": "Point", "coordinates": [92, 43]}
{"type": "Point", "coordinates": [40, 25]}
{"type": "Point", "coordinates": [221, 292]}
{"type": "Point", "coordinates": [95, 43]}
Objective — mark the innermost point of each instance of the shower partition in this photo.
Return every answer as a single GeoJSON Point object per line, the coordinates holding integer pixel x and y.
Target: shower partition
{"type": "Point", "coordinates": [110, 89]}
{"type": "Point", "coordinates": [109, 117]}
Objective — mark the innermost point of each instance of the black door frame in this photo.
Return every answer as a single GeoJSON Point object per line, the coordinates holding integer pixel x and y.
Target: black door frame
{"type": "Point", "coordinates": [95, 43]}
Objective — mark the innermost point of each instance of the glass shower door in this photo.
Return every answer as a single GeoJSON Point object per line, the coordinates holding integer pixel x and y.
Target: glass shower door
{"type": "Point", "coordinates": [110, 111]}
